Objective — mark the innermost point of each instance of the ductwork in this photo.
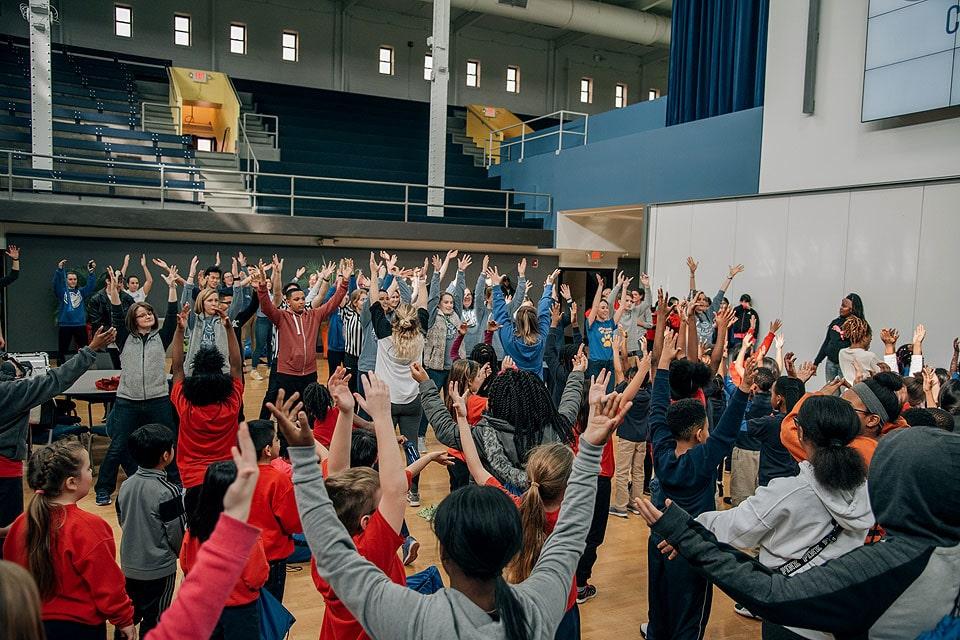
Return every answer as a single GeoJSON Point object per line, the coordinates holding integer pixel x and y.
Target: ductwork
{"type": "Point", "coordinates": [585, 16]}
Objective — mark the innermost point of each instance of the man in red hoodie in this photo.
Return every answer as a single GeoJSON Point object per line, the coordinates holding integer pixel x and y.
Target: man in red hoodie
{"type": "Point", "coordinates": [297, 329]}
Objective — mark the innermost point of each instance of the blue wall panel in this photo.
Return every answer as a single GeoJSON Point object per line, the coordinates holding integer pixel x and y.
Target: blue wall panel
{"type": "Point", "coordinates": [707, 158]}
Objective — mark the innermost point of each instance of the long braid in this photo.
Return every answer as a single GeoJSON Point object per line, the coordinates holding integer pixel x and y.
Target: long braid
{"type": "Point", "coordinates": [316, 401]}
{"type": "Point", "coordinates": [521, 399]}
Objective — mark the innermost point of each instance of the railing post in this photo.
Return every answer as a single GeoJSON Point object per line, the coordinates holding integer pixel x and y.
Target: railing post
{"type": "Point", "coordinates": [560, 136]}
{"type": "Point", "coordinates": [255, 188]}
{"type": "Point", "coordinates": [406, 203]}
{"type": "Point", "coordinates": [523, 142]}
{"type": "Point", "coordinates": [506, 209]}
{"type": "Point", "coordinates": [586, 121]}
{"type": "Point", "coordinates": [162, 187]}
{"type": "Point", "coordinates": [10, 173]}
{"type": "Point", "coordinates": [292, 178]}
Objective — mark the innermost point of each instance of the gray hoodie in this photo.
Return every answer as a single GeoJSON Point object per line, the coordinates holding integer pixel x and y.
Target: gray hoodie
{"type": "Point", "coordinates": [388, 610]}
{"type": "Point", "coordinates": [17, 397]}
{"type": "Point", "coordinates": [891, 590]}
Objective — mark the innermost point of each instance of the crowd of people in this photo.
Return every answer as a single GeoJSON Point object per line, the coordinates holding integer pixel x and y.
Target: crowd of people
{"type": "Point", "coordinates": [839, 518]}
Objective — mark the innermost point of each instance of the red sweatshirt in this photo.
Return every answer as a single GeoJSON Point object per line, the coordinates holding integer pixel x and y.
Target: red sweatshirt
{"type": "Point", "coordinates": [199, 603]}
{"type": "Point", "coordinates": [274, 510]}
{"type": "Point", "coordinates": [297, 332]}
{"type": "Point", "coordinates": [90, 584]}
{"type": "Point", "coordinates": [252, 578]}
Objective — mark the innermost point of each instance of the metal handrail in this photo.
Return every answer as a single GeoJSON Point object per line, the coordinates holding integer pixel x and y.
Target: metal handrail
{"type": "Point", "coordinates": [562, 115]}
{"type": "Point", "coordinates": [250, 156]}
{"type": "Point", "coordinates": [275, 134]}
{"type": "Point", "coordinates": [163, 170]}
{"type": "Point", "coordinates": [143, 109]}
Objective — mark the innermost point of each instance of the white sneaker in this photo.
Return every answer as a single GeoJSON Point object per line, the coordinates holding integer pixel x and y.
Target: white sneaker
{"type": "Point", "coordinates": [422, 444]}
{"type": "Point", "coordinates": [256, 375]}
{"type": "Point", "coordinates": [643, 629]}
{"type": "Point", "coordinates": [413, 498]}
{"type": "Point", "coordinates": [743, 611]}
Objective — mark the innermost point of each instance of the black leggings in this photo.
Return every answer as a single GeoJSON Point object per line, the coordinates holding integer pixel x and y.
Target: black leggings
{"type": "Point", "coordinates": [597, 532]}
{"type": "Point", "coordinates": [66, 335]}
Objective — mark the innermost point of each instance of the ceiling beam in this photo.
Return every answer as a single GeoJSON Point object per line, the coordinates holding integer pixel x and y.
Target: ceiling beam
{"type": "Point", "coordinates": [465, 20]}
{"type": "Point", "coordinates": [654, 56]}
{"type": "Point", "coordinates": [567, 38]}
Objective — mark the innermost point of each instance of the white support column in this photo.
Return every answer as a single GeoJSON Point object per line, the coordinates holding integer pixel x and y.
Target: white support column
{"type": "Point", "coordinates": [41, 88]}
{"type": "Point", "coordinates": [437, 160]}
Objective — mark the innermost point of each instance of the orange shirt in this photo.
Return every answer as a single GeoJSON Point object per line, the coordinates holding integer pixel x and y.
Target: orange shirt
{"type": "Point", "coordinates": [790, 436]}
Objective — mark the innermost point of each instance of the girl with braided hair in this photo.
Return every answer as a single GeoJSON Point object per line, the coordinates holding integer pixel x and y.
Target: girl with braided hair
{"type": "Point", "coordinates": [520, 415]}
{"type": "Point", "coordinates": [857, 331]}
{"type": "Point", "coordinates": [70, 553]}
{"type": "Point", "coordinates": [323, 413]}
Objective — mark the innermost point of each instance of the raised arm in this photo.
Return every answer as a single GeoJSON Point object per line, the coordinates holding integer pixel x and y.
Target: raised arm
{"type": "Point", "coordinates": [147, 276]}
{"type": "Point", "coordinates": [176, 353]}
{"type": "Point", "coordinates": [14, 252]}
{"type": "Point", "coordinates": [117, 318]}
{"type": "Point", "coordinates": [624, 292]}
{"type": "Point", "coordinates": [233, 348]}
{"type": "Point", "coordinates": [692, 266]}
{"type": "Point", "coordinates": [339, 389]}
{"type": "Point", "coordinates": [723, 320]}
{"type": "Point", "coordinates": [91, 283]}
{"type": "Point", "coordinates": [597, 295]}
{"type": "Point", "coordinates": [444, 426]}
{"type": "Point", "coordinates": [469, 448]}
{"type": "Point", "coordinates": [460, 284]}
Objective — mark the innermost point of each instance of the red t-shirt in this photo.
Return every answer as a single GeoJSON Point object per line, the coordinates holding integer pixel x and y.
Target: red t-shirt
{"type": "Point", "coordinates": [378, 543]}
{"type": "Point", "coordinates": [206, 433]}
{"type": "Point", "coordinates": [274, 511]}
{"type": "Point", "coordinates": [10, 468]}
{"type": "Point", "coordinates": [90, 584]}
{"type": "Point", "coordinates": [551, 518]}
{"type": "Point", "coordinates": [254, 576]}
{"type": "Point", "coordinates": [323, 429]}
{"type": "Point", "coordinates": [476, 405]}
{"type": "Point", "coordinates": [607, 464]}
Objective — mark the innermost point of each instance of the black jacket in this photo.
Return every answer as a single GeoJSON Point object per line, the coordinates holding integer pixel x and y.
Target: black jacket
{"type": "Point", "coordinates": [832, 342]}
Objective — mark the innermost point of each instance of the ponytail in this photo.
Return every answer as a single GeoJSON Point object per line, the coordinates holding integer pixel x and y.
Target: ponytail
{"type": "Point", "coordinates": [512, 615]}
{"type": "Point", "coordinates": [47, 472]}
{"type": "Point", "coordinates": [830, 424]}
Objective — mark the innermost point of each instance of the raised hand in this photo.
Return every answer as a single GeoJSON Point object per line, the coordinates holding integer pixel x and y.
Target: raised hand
{"type": "Point", "coordinates": [574, 316]}
{"type": "Point", "coordinates": [377, 400]}
{"type": "Point", "coordinates": [692, 265]}
{"type": "Point", "coordinates": [725, 318]}
{"type": "Point", "coordinates": [779, 341]}
{"type": "Point", "coordinates": [522, 268]}
{"type": "Point", "coordinates": [735, 269]}
{"type": "Point", "coordinates": [458, 401]}
{"type": "Point", "coordinates": [295, 427]}
{"type": "Point", "coordinates": [143, 260]}
{"type": "Point", "coordinates": [648, 512]}
{"type": "Point", "coordinates": [620, 278]}
{"type": "Point", "coordinates": [62, 264]}
{"type": "Point", "coordinates": [242, 259]}
{"type": "Point", "coordinates": [463, 328]}
{"type": "Point", "coordinates": [182, 317]}
{"type": "Point", "coordinates": [565, 292]}
{"type": "Point", "coordinates": [553, 276]}
{"type": "Point", "coordinates": [555, 314]}
{"type": "Point", "coordinates": [669, 351]}
{"type": "Point", "coordinates": [919, 334]}
{"type": "Point", "coordinates": [103, 337]}
{"type": "Point", "coordinates": [605, 415]}
{"type": "Point", "coordinates": [194, 262]}
{"type": "Point", "coordinates": [436, 262]}
{"type": "Point", "coordinates": [13, 251]}
{"type": "Point", "coordinates": [645, 280]}
{"type": "Point", "coordinates": [418, 373]}
{"type": "Point", "coordinates": [580, 361]}
{"type": "Point", "coordinates": [807, 370]}
{"type": "Point", "coordinates": [600, 281]}
{"type": "Point", "coordinates": [338, 386]}
{"type": "Point", "coordinates": [464, 263]}
{"type": "Point", "coordinates": [299, 272]}
{"type": "Point", "coordinates": [626, 282]}
{"type": "Point", "coordinates": [749, 375]}
{"type": "Point", "coordinates": [485, 264]}
{"type": "Point", "coordinates": [495, 276]}
{"type": "Point", "coordinates": [508, 363]}
{"type": "Point", "coordinates": [775, 325]}
{"type": "Point", "coordinates": [790, 364]}
{"type": "Point", "coordinates": [598, 387]}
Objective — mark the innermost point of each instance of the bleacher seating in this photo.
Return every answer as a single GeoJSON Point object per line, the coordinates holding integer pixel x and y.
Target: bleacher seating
{"type": "Point", "coordinates": [362, 137]}
{"type": "Point", "coordinates": [96, 113]}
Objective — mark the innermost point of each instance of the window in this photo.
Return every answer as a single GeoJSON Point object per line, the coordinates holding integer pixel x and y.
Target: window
{"type": "Point", "coordinates": [290, 43]}
{"type": "Point", "coordinates": [238, 38]}
{"type": "Point", "coordinates": [620, 96]}
{"type": "Point", "coordinates": [428, 67]}
{"type": "Point", "coordinates": [513, 79]}
{"type": "Point", "coordinates": [653, 94]}
{"type": "Point", "coordinates": [122, 20]}
{"type": "Point", "coordinates": [181, 30]}
{"type": "Point", "coordinates": [586, 90]}
{"type": "Point", "coordinates": [205, 144]}
{"type": "Point", "coordinates": [386, 60]}
{"type": "Point", "coordinates": [473, 73]}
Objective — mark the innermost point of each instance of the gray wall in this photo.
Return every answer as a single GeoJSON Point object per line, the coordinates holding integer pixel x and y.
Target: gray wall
{"type": "Point", "coordinates": [31, 305]}
{"type": "Point", "coordinates": [549, 75]}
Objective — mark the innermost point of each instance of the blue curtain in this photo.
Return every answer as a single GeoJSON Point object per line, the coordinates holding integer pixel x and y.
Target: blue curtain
{"type": "Point", "coordinates": [718, 52]}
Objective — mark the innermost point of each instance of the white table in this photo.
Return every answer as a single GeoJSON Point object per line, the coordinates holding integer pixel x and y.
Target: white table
{"type": "Point", "coordinates": [85, 388]}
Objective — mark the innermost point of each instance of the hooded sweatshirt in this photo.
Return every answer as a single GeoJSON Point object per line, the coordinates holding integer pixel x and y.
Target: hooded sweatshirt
{"type": "Point", "coordinates": [72, 312]}
{"type": "Point", "coordinates": [528, 357]}
{"type": "Point", "coordinates": [894, 589]}
{"type": "Point", "coordinates": [790, 515]}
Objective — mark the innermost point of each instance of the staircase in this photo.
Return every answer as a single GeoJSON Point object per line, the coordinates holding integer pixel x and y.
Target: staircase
{"type": "Point", "coordinates": [215, 181]}
{"type": "Point", "coordinates": [157, 117]}
{"type": "Point", "coordinates": [457, 128]}
{"type": "Point", "coordinates": [261, 140]}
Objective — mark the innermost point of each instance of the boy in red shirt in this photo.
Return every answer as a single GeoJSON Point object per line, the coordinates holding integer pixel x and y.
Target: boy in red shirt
{"type": "Point", "coordinates": [207, 402]}
{"type": "Point", "coordinates": [274, 508]}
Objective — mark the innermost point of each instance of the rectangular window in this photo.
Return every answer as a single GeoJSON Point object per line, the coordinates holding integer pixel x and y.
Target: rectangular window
{"type": "Point", "coordinates": [428, 67]}
{"type": "Point", "coordinates": [238, 38]}
{"type": "Point", "coordinates": [620, 96]}
{"type": "Point", "coordinates": [122, 20]}
{"type": "Point", "coordinates": [513, 79]}
{"type": "Point", "coordinates": [290, 44]}
{"type": "Point", "coordinates": [473, 73]}
{"type": "Point", "coordinates": [653, 94]}
{"type": "Point", "coordinates": [586, 90]}
{"type": "Point", "coordinates": [181, 30]}
{"type": "Point", "coordinates": [386, 60]}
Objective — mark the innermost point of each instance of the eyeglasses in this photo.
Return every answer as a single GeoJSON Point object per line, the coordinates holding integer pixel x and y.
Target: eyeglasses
{"type": "Point", "coordinates": [864, 412]}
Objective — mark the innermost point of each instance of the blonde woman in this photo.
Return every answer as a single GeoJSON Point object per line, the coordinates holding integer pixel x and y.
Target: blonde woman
{"type": "Point", "coordinates": [206, 328]}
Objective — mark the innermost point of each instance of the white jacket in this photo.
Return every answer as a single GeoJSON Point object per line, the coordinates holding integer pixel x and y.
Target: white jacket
{"type": "Point", "coordinates": [790, 515]}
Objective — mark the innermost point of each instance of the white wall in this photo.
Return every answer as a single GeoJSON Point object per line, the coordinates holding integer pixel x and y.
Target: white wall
{"type": "Point", "coordinates": [549, 75]}
{"type": "Point", "coordinates": [803, 253]}
{"type": "Point", "coordinates": [832, 147]}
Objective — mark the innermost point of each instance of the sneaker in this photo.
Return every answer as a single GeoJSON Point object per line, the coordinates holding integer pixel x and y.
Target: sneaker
{"type": "Point", "coordinates": [643, 629]}
{"type": "Point", "coordinates": [632, 509]}
{"type": "Point", "coordinates": [743, 611]}
{"type": "Point", "coordinates": [410, 550]}
{"type": "Point", "coordinates": [103, 500]}
{"type": "Point", "coordinates": [256, 375]}
{"type": "Point", "coordinates": [620, 513]}
{"type": "Point", "coordinates": [413, 498]}
{"type": "Point", "coordinates": [422, 444]}
{"type": "Point", "coordinates": [586, 592]}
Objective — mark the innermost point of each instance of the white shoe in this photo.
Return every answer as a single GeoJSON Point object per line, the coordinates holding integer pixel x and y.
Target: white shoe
{"type": "Point", "coordinates": [643, 629]}
{"type": "Point", "coordinates": [256, 375]}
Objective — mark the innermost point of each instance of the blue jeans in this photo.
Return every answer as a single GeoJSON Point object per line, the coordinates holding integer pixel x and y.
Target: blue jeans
{"type": "Point", "coordinates": [263, 332]}
{"type": "Point", "coordinates": [126, 417]}
{"type": "Point", "coordinates": [831, 369]}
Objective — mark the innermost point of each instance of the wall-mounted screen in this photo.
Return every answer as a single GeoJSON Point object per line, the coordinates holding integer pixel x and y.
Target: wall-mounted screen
{"type": "Point", "coordinates": [913, 57]}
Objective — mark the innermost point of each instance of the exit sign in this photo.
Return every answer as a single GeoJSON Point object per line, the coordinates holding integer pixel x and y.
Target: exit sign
{"type": "Point", "coordinates": [595, 256]}
{"type": "Point", "coordinates": [199, 76]}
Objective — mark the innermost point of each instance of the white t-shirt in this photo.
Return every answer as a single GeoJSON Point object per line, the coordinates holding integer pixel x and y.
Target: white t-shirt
{"type": "Point", "coordinates": [395, 372]}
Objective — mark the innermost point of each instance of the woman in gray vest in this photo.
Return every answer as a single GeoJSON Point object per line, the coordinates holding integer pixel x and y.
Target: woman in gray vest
{"type": "Point", "coordinates": [143, 396]}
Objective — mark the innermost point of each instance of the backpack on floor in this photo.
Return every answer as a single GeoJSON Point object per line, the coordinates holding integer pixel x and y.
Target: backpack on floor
{"type": "Point", "coordinates": [275, 619]}
{"type": "Point", "coordinates": [948, 627]}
